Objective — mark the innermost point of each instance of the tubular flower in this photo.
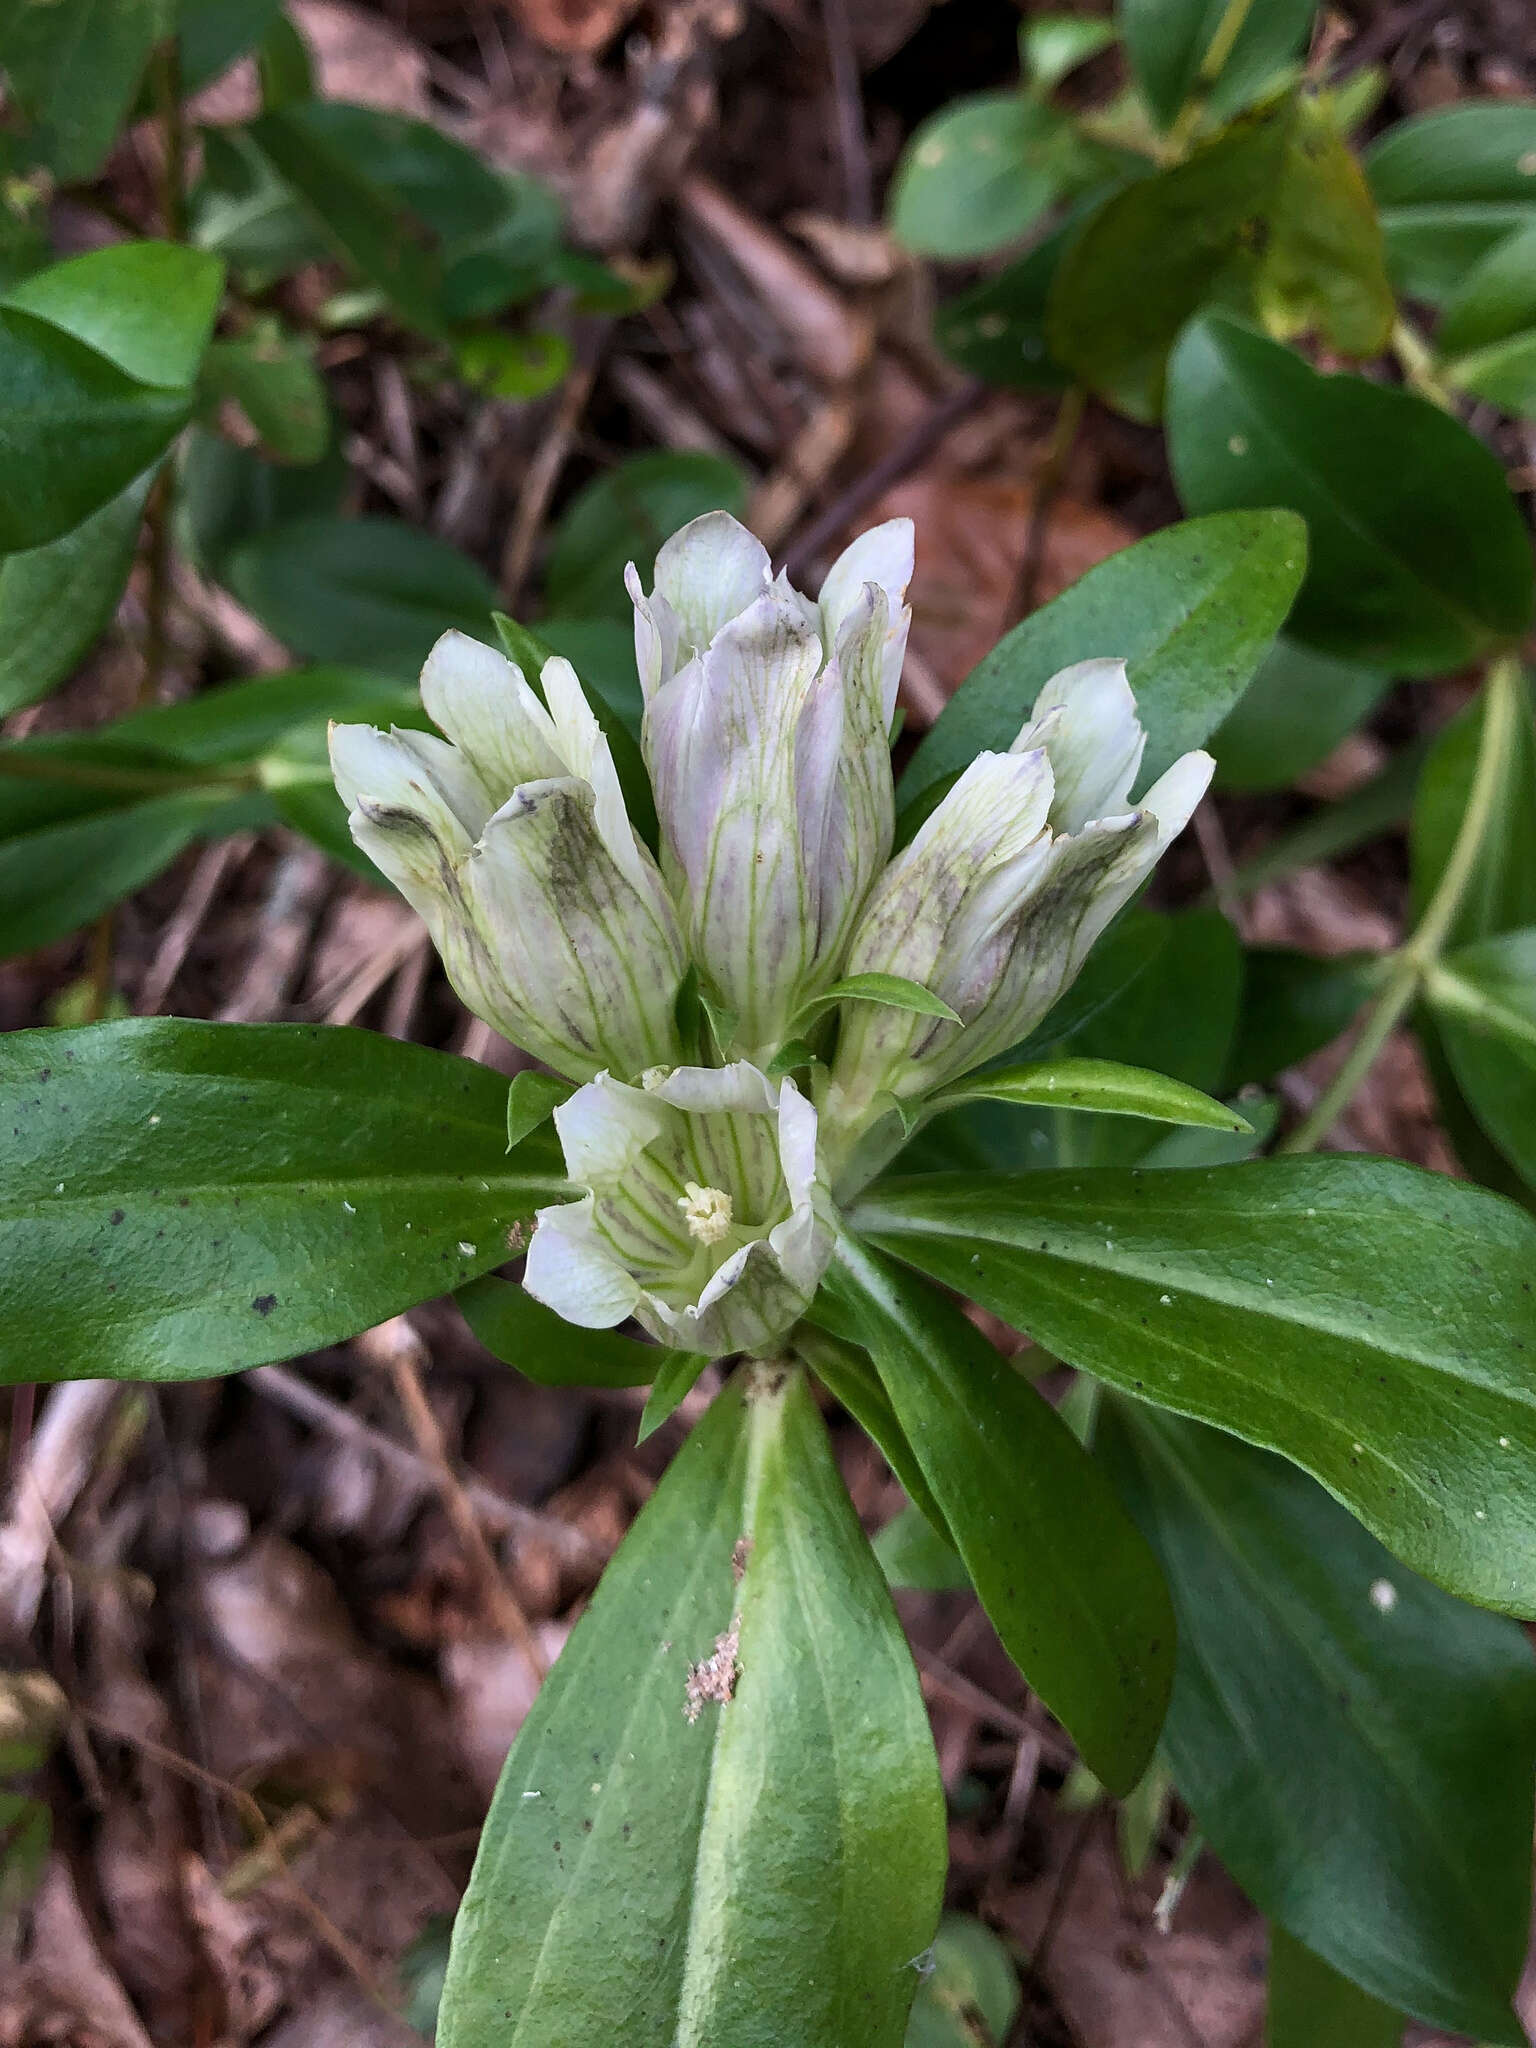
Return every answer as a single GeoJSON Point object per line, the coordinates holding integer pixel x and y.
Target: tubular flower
{"type": "Point", "coordinates": [511, 839]}
{"type": "Point", "coordinates": [766, 736]}
{"type": "Point", "coordinates": [1001, 893]}
{"type": "Point", "coordinates": [705, 1213]}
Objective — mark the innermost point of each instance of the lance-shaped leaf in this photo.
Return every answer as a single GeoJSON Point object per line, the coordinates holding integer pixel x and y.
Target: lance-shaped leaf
{"type": "Point", "coordinates": [1312, 2006]}
{"type": "Point", "coordinates": [1105, 1085]}
{"type": "Point", "coordinates": [1373, 1323]}
{"type": "Point", "coordinates": [522, 1332]}
{"type": "Point", "coordinates": [1068, 1583]}
{"type": "Point", "coordinates": [187, 1199]}
{"type": "Point", "coordinates": [722, 1820]}
{"type": "Point", "coordinates": [1356, 1746]}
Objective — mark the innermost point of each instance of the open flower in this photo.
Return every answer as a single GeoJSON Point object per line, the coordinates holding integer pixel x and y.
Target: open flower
{"type": "Point", "coordinates": [705, 1214]}
{"type": "Point", "coordinates": [766, 735]}
{"type": "Point", "coordinates": [1001, 893]}
{"type": "Point", "coordinates": [511, 839]}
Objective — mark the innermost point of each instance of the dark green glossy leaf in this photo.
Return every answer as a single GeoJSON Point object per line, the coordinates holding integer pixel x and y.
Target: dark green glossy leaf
{"type": "Point", "coordinates": [213, 34]}
{"type": "Point", "coordinates": [1167, 42]}
{"type": "Point", "coordinates": [980, 172]}
{"type": "Point", "coordinates": [624, 516]}
{"type": "Point", "coordinates": [73, 68]}
{"type": "Point", "coordinates": [149, 307]}
{"type": "Point", "coordinates": [1192, 610]}
{"type": "Point", "coordinates": [1501, 891]}
{"type": "Point", "coordinates": [1312, 2006]}
{"type": "Point", "coordinates": [1357, 1747]}
{"type": "Point", "coordinates": [895, 991]}
{"type": "Point", "coordinates": [1418, 556]}
{"type": "Point", "coordinates": [531, 1099]}
{"type": "Point", "coordinates": [228, 494]}
{"type": "Point", "coordinates": [524, 1333]}
{"type": "Point", "coordinates": [1374, 1323]}
{"type": "Point", "coordinates": [1496, 299]}
{"type": "Point", "coordinates": [1066, 1581]}
{"type": "Point", "coordinates": [77, 430]}
{"type": "Point", "coordinates": [677, 1373]}
{"type": "Point", "coordinates": [188, 1199]}
{"type": "Point", "coordinates": [54, 600]}
{"type": "Point", "coordinates": [1297, 709]}
{"type": "Point", "coordinates": [831, 1348]}
{"type": "Point", "coordinates": [996, 330]}
{"type": "Point", "coordinates": [371, 591]}
{"type": "Point", "coordinates": [1293, 1005]}
{"type": "Point", "coordinates": [1449, 185]}
{"type": "Point", "coordinates": [271, 375]}
{"type": "Point", "coordinates": [245, 211]}
{"type": "Point", "coordinates": [912, 1554]}
{"type": "Point", "coordinates": [1504, 373]}
{"type": "Point", "coordinates": [634, 1880]}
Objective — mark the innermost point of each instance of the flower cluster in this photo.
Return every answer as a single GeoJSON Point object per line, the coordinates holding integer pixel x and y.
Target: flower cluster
{"type": "Point", "coordinates": [703, 1173]}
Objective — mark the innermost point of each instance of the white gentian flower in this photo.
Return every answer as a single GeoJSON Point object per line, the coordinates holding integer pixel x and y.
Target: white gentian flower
{"type": "Point", "coordinates": [705, 1213]}
{"type": "Point", "coordinates": [1003, 890]}
{"type": "Point", "coordinates": [766, 734]}
{"type": "Point", "coordinates": [511, 839]}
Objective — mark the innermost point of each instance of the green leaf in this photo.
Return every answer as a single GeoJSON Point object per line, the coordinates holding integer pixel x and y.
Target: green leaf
{"type": "Point", "coordinates": [188, 1199]}
{"type": "Point", "coordinates": [55, 599]}
{"type": "Point", "coordinates": [244, 210]}
{"type": "Point", "coordinates": [1294, 712]}
{"type": "Point", "coordinates": [148, 307]}
{"type": "Point", "coordinates": [1418, 555]}
{"type": "Point", "coordinates": [1312, 2006]}
{"type": "Point", "coordinates": [1052, 46]}
{"type": "Point", "coordinates": [531, 1099]}
{"type": "Point", "coordinates": [59, 876]}
{"type": "Point", "coordinates": [1484, 1001]}
{"type": "Point", "coordinates": [77, 430]}
{"type": "Point", "coordinates": [507, 365]}
{"type": "Point", "coordinates": [73, 68]}
{"type": "Point", "coordinates": [229, 494]}
{"type": "Point", "coordinates": [996, 330]}
{"type": "Point", "coordinates": [981, 171]}
{"type": "Point", "coordinates": [676, 1375]}
{"type": "Point", "coordinates": [1103, 1085]}
{"type": "Point", "coordinates": [372, 591]}
{"type": "Point", "coordinates": [1192, 610]}
{"type": "Point", "coordinates": [628, 1863]}
{"type": "Point", "coordinates": [271, 375]}
{"type": "Point", "coordinates": [1449, 186]}
{"type": "Point", "coordinates": [895, 991]}
{"type": "Point", "coordinates": [213, 34]}
{"type": "Point", "coordinates": [312, 144]}
{"type": "Point", "coordinates": [1371, 1322]}
{"type": "Point", "coordinates": [1496, 298]}
{"type": "Point", "coordinates": [1167, 42]}
{"type": "Point", "coordinates": [1158, 251]}
{"type": "Point", "coordinates": [830, 1348]}
{"type": "Point", "coordinates": [1504, 373]}
{"type": "Point", "coordinates": [1067, 1582]}
{"type": "Point", "coordinates": [1357, 1747]}
{"type": "Point", "coordinates": [1293, 1005]}
{"type": "Point", "coordinates": [522, 1332]}
{"type": "Point", "coordinates": [625, 515]}
{"type": "Point", "coordinates": [1324, 266]}
{"type": "Point", "coordinates": [911, 1553]}
{"type": "Point", "coordinates": [972, 1980]}
{"type": "Point", "coordinates": [1501, 890]}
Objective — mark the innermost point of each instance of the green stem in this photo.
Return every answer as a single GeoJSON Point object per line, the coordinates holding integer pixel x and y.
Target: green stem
{"type": "Point", "coordinates": [1212, 64]}
{"type": "Point", "coordinates": [1415, 962]}
{"type": "Point", "coordinates": [1418, 365]}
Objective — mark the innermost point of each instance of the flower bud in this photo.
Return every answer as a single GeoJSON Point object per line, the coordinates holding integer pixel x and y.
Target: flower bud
{"type": "Point", "coordinates": [705, 1213]}
{"type": "Point", "coordinates": [766, 735]}
{"type": "Point", "coordinates": [1003, 890]}
{"type": "Point", "coordinates": [511, 839]}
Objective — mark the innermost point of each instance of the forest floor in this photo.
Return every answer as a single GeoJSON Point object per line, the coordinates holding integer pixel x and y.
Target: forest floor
{"type": "Point", "coordinates": [279, 1604]}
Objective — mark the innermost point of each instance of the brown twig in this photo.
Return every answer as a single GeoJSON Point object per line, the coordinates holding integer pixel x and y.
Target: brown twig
{"type": "Point", "coordinates": [543, 472]}
{"type": "Point", "coordinates": [914, 446]}
{"type": "Point", "coordinates": [399, 1348]}
{"type": "Point", "coordinates": [848, 99]}
{"type": "Point", "coordinates": [1048, 484]}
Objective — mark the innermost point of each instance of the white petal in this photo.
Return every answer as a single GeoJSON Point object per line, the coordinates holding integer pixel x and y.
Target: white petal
{"type": "Point", "coordinates": [657, 635]}
{"type": "Point", "coordinates": [739, 1086]}
{"type": "Point", "coordinates": [710, 570]}
{"type": "Point", "coordinates": [413, 773]}
{"type": "Point", "coordinates": [584, 750]}
{"type": "Point", "coordinates": [1174, 797]}
{"type": "Point", "coordinates": [797, 1143]}
{"type": "Point", "coordinates": [571, 1269]}
{"type": "Point", "coordinates": [1085, 717]}
{"type": "Point", "coordinates": [603, 1129]}
{"type": "Point", "coordinates": [882, 556]}
{"type": "Point", "coordinates": [483, 702]}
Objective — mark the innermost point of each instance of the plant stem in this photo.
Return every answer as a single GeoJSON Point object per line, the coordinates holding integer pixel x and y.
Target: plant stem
{"type": "Point", "coordinates": [1212, 64]}
{"type": "Point", "coordinates": [1415, 961]}
{"type": "Point", "coordinates": [1418, 365]}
